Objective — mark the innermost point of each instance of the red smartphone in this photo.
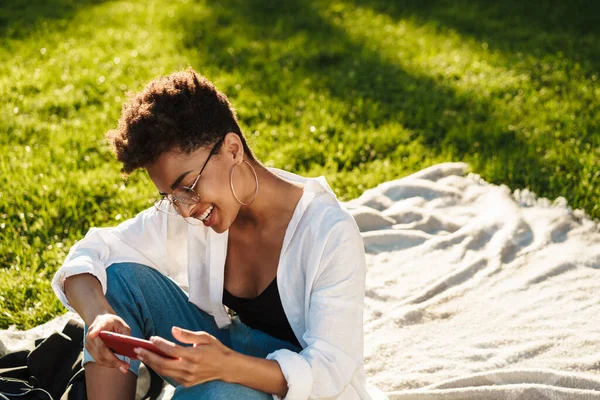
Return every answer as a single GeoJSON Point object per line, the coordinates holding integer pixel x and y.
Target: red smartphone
{"type": "Point", "coordinates": [124, 345]}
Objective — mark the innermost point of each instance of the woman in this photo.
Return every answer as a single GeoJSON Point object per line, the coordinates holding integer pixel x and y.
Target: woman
{"type": "Point", "coordinates": [274, 266]}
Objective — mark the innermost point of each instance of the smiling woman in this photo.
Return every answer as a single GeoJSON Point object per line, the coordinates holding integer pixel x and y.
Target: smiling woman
{"type": "Point", "coordinates": [167, 129]}
{"type": "Point", "coordinates": [262, 269]}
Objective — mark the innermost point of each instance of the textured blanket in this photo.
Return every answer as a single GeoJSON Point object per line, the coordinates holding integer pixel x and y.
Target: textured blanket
{"type": "Point", "coordinates": [473, 292]}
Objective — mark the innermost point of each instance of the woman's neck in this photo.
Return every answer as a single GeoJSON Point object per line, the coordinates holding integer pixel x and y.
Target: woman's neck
{"type": "Point", "coordinates": [276, 198]}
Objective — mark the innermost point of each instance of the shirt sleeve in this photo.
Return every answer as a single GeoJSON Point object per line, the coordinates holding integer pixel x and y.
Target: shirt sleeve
{"type": "Point", "coordinates": [140, 239]}
{"type": "Point", "coordinates": [334, 331]}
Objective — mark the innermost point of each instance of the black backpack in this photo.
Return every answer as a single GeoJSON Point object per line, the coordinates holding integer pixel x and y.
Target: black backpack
{"type": "Point", "coordinates": [52, 370]}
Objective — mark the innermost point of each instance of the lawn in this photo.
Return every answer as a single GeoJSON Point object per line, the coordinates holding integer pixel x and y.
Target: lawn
{"type": "Point", "coordinates": [361, 91]}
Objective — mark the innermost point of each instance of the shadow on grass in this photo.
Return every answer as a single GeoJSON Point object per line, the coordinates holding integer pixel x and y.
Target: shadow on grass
{"type": "Point", "coordinates": [18, 18]}
{"type": "Point", "coordinates": [262, 43]}
{"type": "Point", "coordinates": [538, 28]}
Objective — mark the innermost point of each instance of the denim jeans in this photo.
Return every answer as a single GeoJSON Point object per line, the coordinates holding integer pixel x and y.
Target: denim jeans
{"type": "Point", "coordinates": [151, 303]}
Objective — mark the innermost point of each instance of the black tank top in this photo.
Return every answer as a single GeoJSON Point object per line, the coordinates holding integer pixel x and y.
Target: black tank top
{"type": "Point", "coordinates": [263, 312]}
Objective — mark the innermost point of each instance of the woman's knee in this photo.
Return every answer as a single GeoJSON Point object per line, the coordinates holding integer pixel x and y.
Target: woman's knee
{"type": "Point", "coordinates": [126, 273]}
{"type": "Point", "coordinates": [219, 390]}
{"type": "Point", "coordinates": [125, 282]}
{"type": "Point", "coordinates": [126, 269]}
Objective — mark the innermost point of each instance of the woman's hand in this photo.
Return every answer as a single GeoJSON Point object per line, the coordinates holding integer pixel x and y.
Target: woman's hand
{"type": "Point", "coordinates": [95, 345]}
{"type": "Point", "coordinates": [202, 362]}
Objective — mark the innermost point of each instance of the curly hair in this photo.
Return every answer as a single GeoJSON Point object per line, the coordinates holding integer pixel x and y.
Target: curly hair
{"type": "Point", "coordinates": [182, 111]}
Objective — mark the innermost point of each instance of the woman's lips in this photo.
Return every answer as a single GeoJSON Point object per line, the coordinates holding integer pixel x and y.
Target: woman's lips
{"type": "Point", "coordinates": [211, 219]}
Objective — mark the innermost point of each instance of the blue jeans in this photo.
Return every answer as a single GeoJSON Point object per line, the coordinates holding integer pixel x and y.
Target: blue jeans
{"type": "Point", "coordinates": [151, 304]}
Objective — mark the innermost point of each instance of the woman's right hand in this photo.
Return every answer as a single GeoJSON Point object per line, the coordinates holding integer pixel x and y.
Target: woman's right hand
{"type": "Point", "coordinates": [95, 345]}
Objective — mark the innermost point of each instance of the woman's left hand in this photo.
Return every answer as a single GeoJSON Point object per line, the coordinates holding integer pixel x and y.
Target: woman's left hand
{"type": "Point", "coordinates": [202, 362]}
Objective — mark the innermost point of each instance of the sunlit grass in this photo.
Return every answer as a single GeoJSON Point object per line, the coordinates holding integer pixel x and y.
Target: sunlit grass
{"type": "Point", "coordinates": [360, 91]}
{"type": "Point", "coordinates": [511, 103]}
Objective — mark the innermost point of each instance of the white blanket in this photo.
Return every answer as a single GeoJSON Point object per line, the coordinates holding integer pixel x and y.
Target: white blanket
{"type": "Point", "coordinates": [473, 292]}
{"type": "Point", "coordinates": [477, 293]}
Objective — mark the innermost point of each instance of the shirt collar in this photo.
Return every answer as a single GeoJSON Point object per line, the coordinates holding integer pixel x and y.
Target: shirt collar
{"type": "Point", "coordinates": [312, 185]}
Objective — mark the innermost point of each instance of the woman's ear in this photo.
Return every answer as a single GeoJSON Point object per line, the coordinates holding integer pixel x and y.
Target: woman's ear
{"type": "Point", "coordinates": [233, 148]}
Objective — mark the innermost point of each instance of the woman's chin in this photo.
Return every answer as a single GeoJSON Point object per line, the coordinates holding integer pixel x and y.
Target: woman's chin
{"type": "Point", "coordinates": [217, 228]}
{"type": "Point", "coordinates": [217, 225]}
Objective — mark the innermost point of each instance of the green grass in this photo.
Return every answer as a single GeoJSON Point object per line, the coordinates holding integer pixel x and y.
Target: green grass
{"type": "Point", "coordinates": [362, 91]}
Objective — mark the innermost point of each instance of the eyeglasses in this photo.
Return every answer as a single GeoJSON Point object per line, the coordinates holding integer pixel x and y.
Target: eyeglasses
{"type": "Point", "coordinates": [170, 203]}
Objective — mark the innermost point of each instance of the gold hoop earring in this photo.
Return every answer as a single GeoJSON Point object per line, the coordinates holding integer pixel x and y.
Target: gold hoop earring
{"type": "Point", "coordinates": [231, 183]}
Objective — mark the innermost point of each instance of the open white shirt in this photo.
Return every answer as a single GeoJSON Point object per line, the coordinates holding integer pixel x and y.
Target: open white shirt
{"type": "Point", "coordinates": [321, 279]}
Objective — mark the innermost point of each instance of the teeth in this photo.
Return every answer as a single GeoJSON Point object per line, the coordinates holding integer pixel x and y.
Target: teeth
{"type": "Point", "coordinates": [206, 213]}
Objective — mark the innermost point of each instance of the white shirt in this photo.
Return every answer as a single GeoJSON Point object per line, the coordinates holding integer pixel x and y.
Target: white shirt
{"type": "Point", "coordinates": [321, 279]}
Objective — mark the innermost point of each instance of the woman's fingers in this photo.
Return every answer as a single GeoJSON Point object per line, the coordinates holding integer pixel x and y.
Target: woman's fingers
{"type": "Point", "coordinates": [162, 365]}
{"type": "Point", "coordinates": [92, 333]}
{"type": "Point", "coordinates": [111, 357]}
{"type": "Point", "coordinates": [122, 328]}
{"type": "Point", "coordinates": [169, 347]}
{"type": "Point", "coordinates": [103, 355]}
{"type": "Point", "coordinates": [95, 345]}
